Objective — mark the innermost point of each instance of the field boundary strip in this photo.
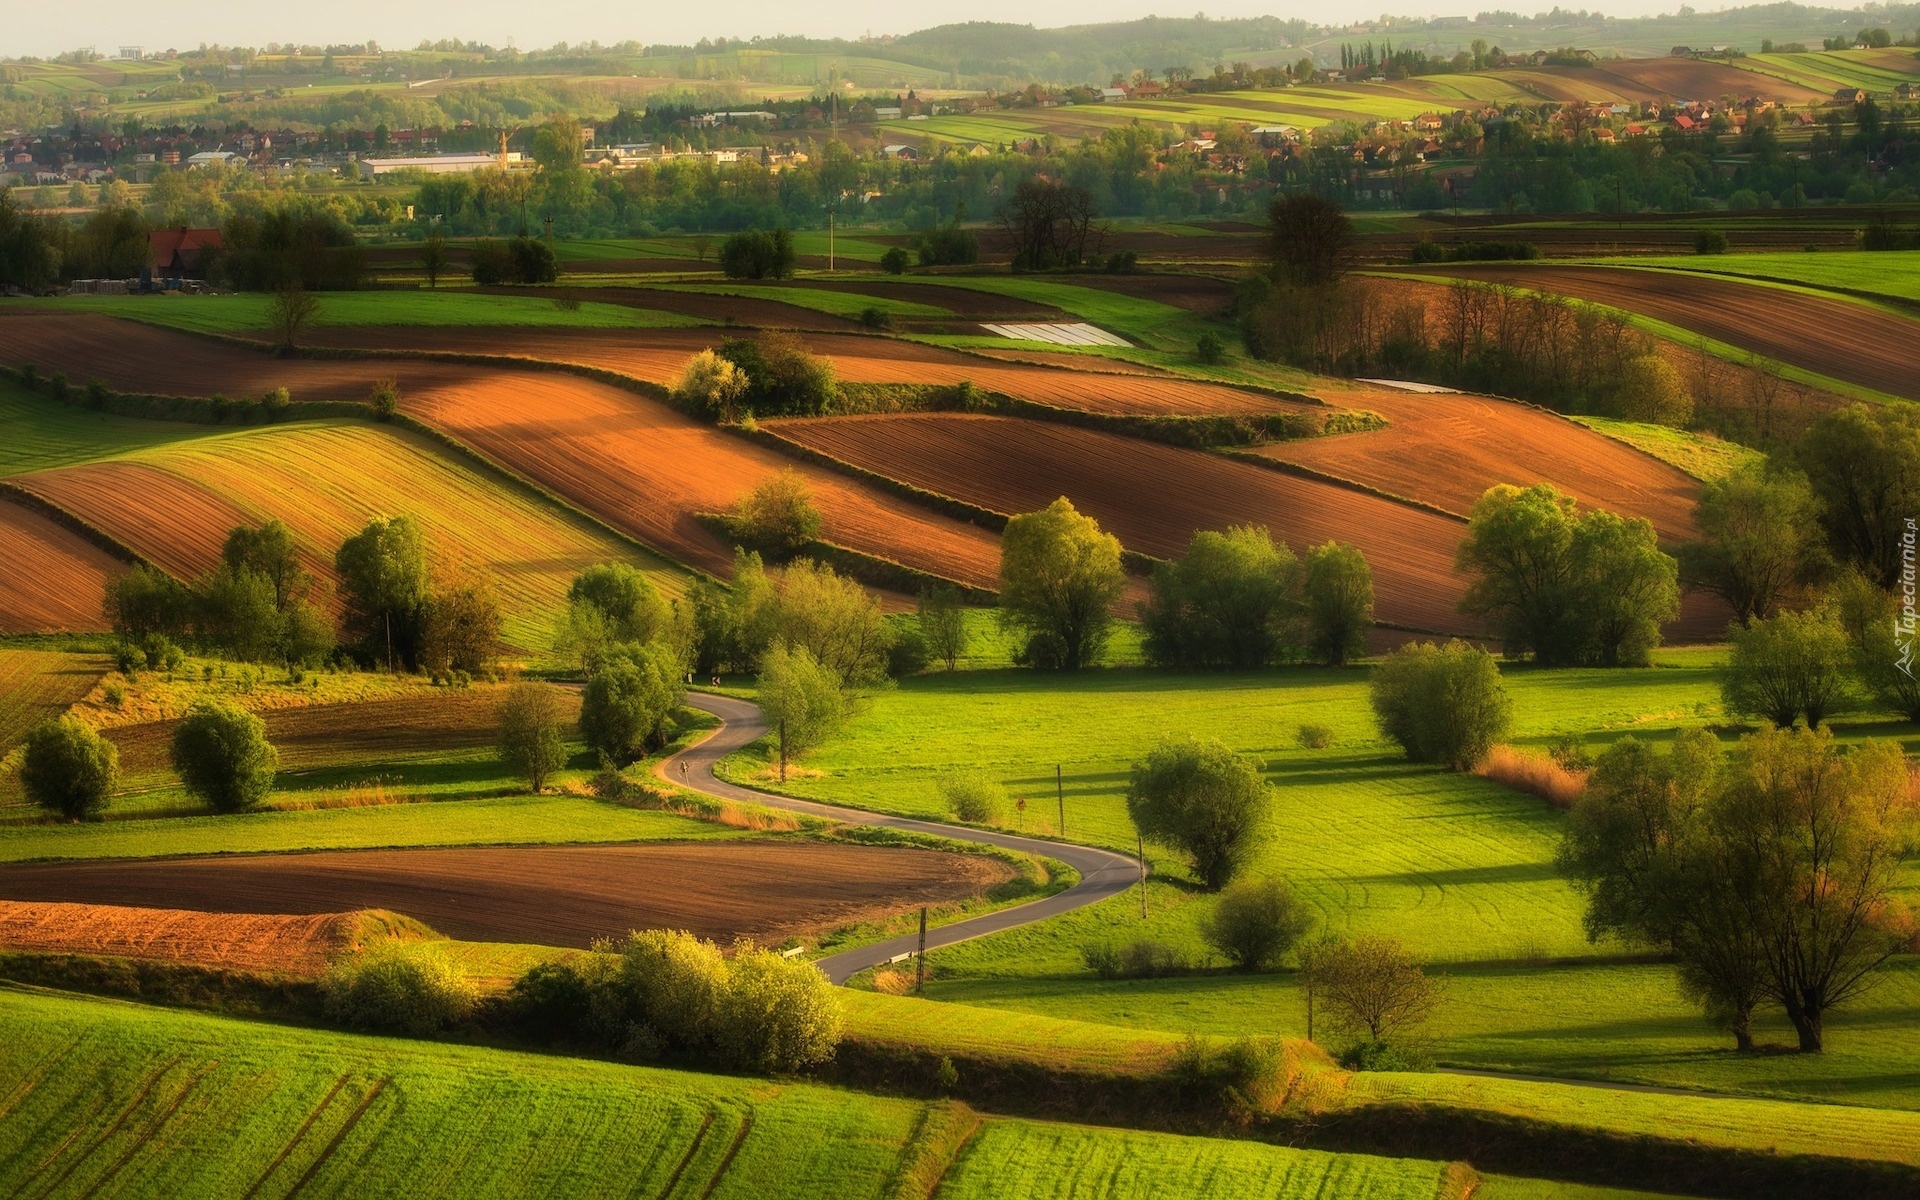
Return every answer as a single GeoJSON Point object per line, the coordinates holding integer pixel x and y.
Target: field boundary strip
{"type": "Point", "coordinates": [12, 492]}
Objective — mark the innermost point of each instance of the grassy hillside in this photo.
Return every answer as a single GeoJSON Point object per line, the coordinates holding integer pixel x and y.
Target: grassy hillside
{"type": "Point", "coordinates": [1889, 273]}
{"type": "Point", "coordinates": [113, 1097]}
{"type": "Point", "coordinates": [242, 313]}
{"type": "Point", "coordinates": [174, 500]}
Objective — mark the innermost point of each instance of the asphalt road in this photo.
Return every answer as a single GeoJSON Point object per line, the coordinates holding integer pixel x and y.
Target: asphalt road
{"type": "Point", "coordinates": [1102, 872]}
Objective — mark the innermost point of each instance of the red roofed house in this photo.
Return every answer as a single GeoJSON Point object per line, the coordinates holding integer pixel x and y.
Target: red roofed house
{"type": "Point", "coordinates": [177, 252]}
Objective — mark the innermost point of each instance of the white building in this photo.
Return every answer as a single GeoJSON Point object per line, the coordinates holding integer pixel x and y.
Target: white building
{"type": "Point", "coordinates": [433, 164]}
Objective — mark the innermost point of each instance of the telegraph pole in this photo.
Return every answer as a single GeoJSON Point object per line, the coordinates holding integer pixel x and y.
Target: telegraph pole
{"type": "Point", "coordinates": [1059, 790]}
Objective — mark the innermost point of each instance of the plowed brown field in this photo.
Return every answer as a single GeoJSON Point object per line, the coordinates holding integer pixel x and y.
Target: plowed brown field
{"type": "Point", "coordinates": [1836, 338]}
{"type": "Point", "coordinates": [1447, 449]}
{"type": "Point", "coordinates": [1153, 497]}
{"type": "Point", "coordinates": [648, 469]}
{"type": "Point", "coordinates": [175, 523]}
{"type": "Point", "coordinates": [295, 945]}
{"type": "Point", "coordinates": [549, 895]}
{"type": "Point", "coordinates": [54, 577]}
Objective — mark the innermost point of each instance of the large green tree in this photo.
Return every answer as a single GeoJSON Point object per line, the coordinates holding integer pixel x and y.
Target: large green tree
{"type": "Point", "coordinates": [1206, 801]}
{"type": "Point", "coordinates": [1337, 590]}
{"type": "Point", "coordinates": [1760, 539]}
{"type": "Point", "coordinates": [1442, 704]}
{"type": "Point", "coordinates": [802, 699]}
{"type": "Point", "coordinates": [1792, 665]}
{"type": "Point", "coordinates": [384, 583]}
{"type": "Point", "coordinates": [1230, 603]}
{"type": "Point", "coordinates": [1863, 463]}
{"type": "Point", "coordinates": [1060, 575]}
{"type": "Point", "coordinates": [69, 769]}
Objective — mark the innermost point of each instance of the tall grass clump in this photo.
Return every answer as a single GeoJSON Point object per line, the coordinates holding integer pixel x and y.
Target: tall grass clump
{"type": "Point", "coordinates": [413, 990]}
{"type": "Point", "coordinates": [1534, 774]}
{"type": "Point", "coordinates": [975, 798]}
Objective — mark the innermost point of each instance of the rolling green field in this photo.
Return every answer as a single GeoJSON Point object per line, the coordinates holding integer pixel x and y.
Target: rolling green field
{"type": "Point", "coordinates": [1700, 455]}
{"type": "Point", "coordinates": [1888, 273]}
{"type": "Point", "coordinates": [826, 300]}
{"type": "Point", "coordinates": [37, 684]}
{"type": "Point", "coordinates": [114, 1097]}
{"type": "Point", "coordinates": [239, 314]}
{"type": "Point", "coordinates": [1826, 71]}
{"type": "Point", "coordinates": [42, 434]}
{"type": "Point", "coordinates": [1146, 320]}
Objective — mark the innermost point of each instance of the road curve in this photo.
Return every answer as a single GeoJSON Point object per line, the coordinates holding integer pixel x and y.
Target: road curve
{"type": "Point", "coordinates": [1102, 872]}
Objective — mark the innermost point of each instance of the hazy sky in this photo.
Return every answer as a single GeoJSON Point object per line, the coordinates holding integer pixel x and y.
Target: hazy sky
{"type": "Point", "coordinates": [46, 27]}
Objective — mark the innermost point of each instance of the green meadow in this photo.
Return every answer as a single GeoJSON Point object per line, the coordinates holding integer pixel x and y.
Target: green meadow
{"type": "Point", "coordinates": [1885, 273]}
{"type": "Point", "coordinates": [248, 313]}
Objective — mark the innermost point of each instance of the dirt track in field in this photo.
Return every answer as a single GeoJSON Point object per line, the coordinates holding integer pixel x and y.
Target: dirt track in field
{"type": "Point", "coordinates": [54, 577]}
{"type": "Point", "coordinates": [1836, 338]}
{"type": "Point", "coordinates": [1153, 497]}
{"type": "Point", "coordinates": [548, 895]}
{"type": "Point", "coordinates": [245, 942]}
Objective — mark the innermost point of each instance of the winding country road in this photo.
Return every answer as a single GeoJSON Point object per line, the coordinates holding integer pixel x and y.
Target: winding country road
{"type": "Point", "coordinates": [1102, 872]}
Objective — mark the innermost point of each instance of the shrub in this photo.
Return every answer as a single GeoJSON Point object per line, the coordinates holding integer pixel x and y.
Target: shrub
{"type": "Point", "coordinates": [1535, 774]}
{"type": "Point", "coordinates": [1709, 241]}
{"type": "Point", "coordinates": [628, 703]}
{"type": "Point", "coordinates": [948, 245]}
{"type": "Point", "coordinates": [1204, 800]}
{"type": "Point", "coordinates": [97, 394]}
{"type": "Point", "coordinates": [1142, 958]}
{"type": "Point", "coordinates": [778, 516]}
{"type": "Point", "coordinates": [113, 695]}
{"type": "Point", "coordinates": [975, 797]}
{"type": "Point", "coordinates": [894, 261]}
{"type": "Point", "coordinates": [1255, 923]}
{"type": "Point", "coordinates": [1210, 349]}
{"type": "Point", "coordinates": [160, 654]}
{"type": "Point", "coordinates": [1652, 390]}
{"type": "Point", "coordinates": [408, 989]}
{"type": "Point", "coordinates": [875, 317]}
{"type": "Point", "coordinates": [385, 399]}
{"type": "Point", "coordinates": [1336, 588]}
{"type": "Point", "coordinates": [127, 660]}
{"type": "Point", "coordinates": [530, 741]}
{"type": "Point", "coordinates": [784, 378]}
{"type": "Point", "coordinates": [1379, 1056]}
{"type": "Point", "coordinates": [1231, 602]}
{"type": "Point", "coordinates": [775, 1015]}
{"type": "Point", "coordinates": [758, 254]}
{"type": "Point", "coordinates": [69, 769]}
{"type": "Point", "coordinates": [1442, 705]}
{"type": "Point", "coordinates": [1123, 262]}
{"type": "Point", "coordinates": [1314, 737]}
{"type": "Point", "coordinates": [553, 1000]}
{"type": "Point", "coordinates": [909, 654]}
{"type": "Point", "coordinates": [710, 386]}
{"type": "Point", "coordinates": [222, 755]}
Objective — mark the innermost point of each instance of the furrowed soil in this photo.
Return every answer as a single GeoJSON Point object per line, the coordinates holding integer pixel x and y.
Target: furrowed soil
{"type": "Point", "coordinates": [299, 945]}
{"type": "Point", "coordinates": [546, 895]}
{"type": "Point", "coordinates": [1153, 497]}
{"type": "Point", "coordinates": [54, 577]}
{"type": "Point", "coordinates": [1856, 343]}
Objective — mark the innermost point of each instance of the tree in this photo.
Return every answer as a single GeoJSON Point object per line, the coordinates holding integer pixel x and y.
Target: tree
{"type": "Point", "coordinates": [758, 254]}
{"type": "Point", "coordinates": [237, 614]}
{"type": "Point", "coordinates": [836, 620]}
{"type": "Point", "coordinates": [383, 581]}
{"type": "Point", "coordinates": [1637, 843]}
{"type": "Point", "coordinates": [531, 744]}
{"type": "Point", "coordinates": [1652, 390]}
{"type": "Point", "coordinates": [943, 623]}
{"type": "Point", "coordinates": [784, 378]}
{"type": "Point", "coordinates": [1205, 801]}
{"type": "Point", "coordinates": [1822, 837]}
{"type": "Point", "coordinates": [777, 1014]}
{"type": "Point", "coordinates": [1519, 546]}
{"type": "Point", "coordinates": [733, 625]}
{"type": "Point", "coordinates": [1049, 223]}
{"type": "Point", "coordinates": [1790, 665]}
{"type": "Point", "coordinates": [1059, 578]}
{"type": "Point", "coordinates": [801, 700]}
{"type": "Point", "coordinates": [633, 608]}
{"type": "Point", "coordinates": [1309, 238]}
{"type": "Point", "coordinates": [1882, 662]}
{"type": "Point", "coordinates": [1624, 586]}
{"type": "Point", "coordinates": [1255, 923]}
{"type": "Point", "coordinates": [433, 257]}
{"type": "Point", "coordinates": [1338, 593]}
{"type": "Point", "coordinates": [69, 769]}
{"type": "Point", "coordinates": [291, 311]}
{"type": "Point", "coordinates": [1372, 986]}
{"type": "Point", "coordinates": [461, 628]}
{"type": "Point", "coordinates": [1760, 539]}
{"type": "Point", "coordinates": [222, 755]}
{"type": "Point", "coordinates": [627, 706]}
{"type": "Point", "coordinates": [1863, 464]}
{"type": "Point", "coordinates": [710, 386]}
{"type": "Point", "coordinates": [147, 600]}
{"type": "Point", "coordinates": [1231, 602]}
{"type": "Point", "coordinates": [270, 551]}
{"type": "Point", "coordinates": [1441, 704]}
{"type": "Point", "coordinates": [778, 516]}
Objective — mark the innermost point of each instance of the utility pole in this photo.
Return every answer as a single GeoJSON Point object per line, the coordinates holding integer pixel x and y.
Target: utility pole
{"type": "Point", "coordinates": [1059, 790]}
{"type": "Point", "coordinates": [1140, 842]}
{"type": "Point", "coordinates": [920, 959]}
{"type": "Point", "coordinates": [783, 749]}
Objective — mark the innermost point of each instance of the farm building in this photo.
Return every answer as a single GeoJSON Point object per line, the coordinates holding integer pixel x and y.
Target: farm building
{"type": "Point", "coordinates": [433, 164]}
{"type": "Point", "coordinates": [178, 252]}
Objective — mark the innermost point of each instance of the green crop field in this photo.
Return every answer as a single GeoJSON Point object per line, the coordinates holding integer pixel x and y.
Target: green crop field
{"type": "Point", "coordinates": [1134, 316]}
{"type": "Point", "coordinates": [839, 304]}
{"type": "Point", "coordinates": [43, 434]}
{"type": "Point", "coordinates": [1893, 274]}
{"type": "Point", "coordinates": [1700, 455]}
{"type": "Point", "coordinates": [1872, 70]}
{"type": "Point", "coordinates": [532, 820]}
{"type": "Point", "coordinates": [101, 1096]}
{"type": "Point", "coordinates": [38, 684]}
{"type": "Point", "coordinates": [240, 314]}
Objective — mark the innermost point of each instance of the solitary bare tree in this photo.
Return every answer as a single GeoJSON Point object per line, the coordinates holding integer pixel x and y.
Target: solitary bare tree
{"type": "Point", "coordinates": [289, 314]}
